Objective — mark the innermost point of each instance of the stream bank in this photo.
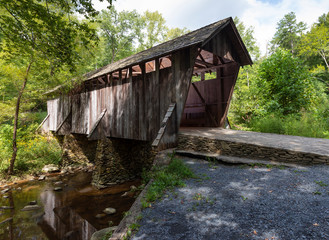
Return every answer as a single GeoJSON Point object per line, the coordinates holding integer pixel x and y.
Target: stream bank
{"type": "Point", "coordinates": [63, 206]}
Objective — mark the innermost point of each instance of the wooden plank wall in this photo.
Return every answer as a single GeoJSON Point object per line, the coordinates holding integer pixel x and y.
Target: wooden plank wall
{"type": "Point", "coordinates": [135, 106]}
{"type": "Point", "coordinates": [52, 108]}
{"type": "Point", "coordinates": [217, 95]}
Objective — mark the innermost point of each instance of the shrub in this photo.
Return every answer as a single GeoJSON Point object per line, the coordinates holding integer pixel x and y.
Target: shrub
{"type": "Point", "coordinates": [34, 150]}
{"type": "Point", "coordinates": [268, 124]}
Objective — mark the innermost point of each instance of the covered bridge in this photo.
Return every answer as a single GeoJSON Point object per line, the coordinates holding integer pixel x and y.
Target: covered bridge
{"type": "Point", "coordinates": [149, 95]}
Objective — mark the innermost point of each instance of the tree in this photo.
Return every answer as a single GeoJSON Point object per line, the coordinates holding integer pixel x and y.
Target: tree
{"type": "Point", "coordinates": [247, 35]}
{"type": "Point", "coordinates": [120, 32]}
{"type": "Point", "coordinates": [175, 32]}
{"type": "Point", "coordinates": [41, 31]}
{"type": "Point", "coordinates": [155, 29]}
{"type": "Point", "coordinates": [288, 33]}
{"type": "Point", "coordinates": [323, 20]}
{"type": "Point", "coordinates": [284, 83]}
{"type": "Point", "coordinates": [316, 43]}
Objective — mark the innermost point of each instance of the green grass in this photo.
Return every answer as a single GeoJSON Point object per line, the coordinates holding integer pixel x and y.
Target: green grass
{"type": "Point", "coordinates": [305, 124]}
{"type": "Point", "coordinates": [166, 178]}
{"type": "Point", "coordinates": [321, 184]}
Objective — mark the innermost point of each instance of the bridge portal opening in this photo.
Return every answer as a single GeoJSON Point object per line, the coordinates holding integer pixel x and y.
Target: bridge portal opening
{"type": "Point", "coordinates": [210, 91]}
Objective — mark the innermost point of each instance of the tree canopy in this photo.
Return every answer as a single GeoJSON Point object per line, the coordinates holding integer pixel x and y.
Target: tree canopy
{"type": "Point", "coordinates": [288, 33]}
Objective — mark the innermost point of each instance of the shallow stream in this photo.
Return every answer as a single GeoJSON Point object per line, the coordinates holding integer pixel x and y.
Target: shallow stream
{"type": "Point", "coordinates": [69, 213]}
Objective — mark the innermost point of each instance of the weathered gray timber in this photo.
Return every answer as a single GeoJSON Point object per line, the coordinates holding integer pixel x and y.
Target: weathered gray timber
{"type": "Point", "coordinates": [130, 98]}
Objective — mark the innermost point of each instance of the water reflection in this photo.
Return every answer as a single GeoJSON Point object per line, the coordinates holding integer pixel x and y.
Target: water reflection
{"type": "Point", "coordinates": [67, 214]}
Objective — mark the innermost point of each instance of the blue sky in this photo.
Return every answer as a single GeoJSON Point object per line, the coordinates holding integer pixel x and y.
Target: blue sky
{"type": "Point", "coordinates": [262, 15]}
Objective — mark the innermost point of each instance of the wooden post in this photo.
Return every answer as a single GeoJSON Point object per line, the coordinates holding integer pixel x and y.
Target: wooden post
{"type": "Point", "coordinates": [202, 76]}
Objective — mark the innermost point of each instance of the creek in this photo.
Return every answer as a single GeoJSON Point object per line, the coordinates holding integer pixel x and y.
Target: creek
{"type": "Point", "coordinates": [75, 211]}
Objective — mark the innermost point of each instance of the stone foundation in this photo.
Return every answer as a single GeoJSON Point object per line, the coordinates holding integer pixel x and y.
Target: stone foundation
{"type": "Point", "coordinates": [77, 149]}
{"type": "Point", "coordinates": [115, 160]}
{"type": "Point", "coordinates": [239, 149]}
{"type": "Point", "coordinates": [119, 160]}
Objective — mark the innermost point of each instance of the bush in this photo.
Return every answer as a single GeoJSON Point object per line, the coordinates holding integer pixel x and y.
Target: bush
{"type": "Point", "coordinates": [34, 150]}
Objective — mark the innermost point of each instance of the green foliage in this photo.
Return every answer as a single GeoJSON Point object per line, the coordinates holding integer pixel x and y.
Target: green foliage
{"type": "Point", "coordinates": [308, 124]}
{"type": "Point", "coordinates": [288, 33]}
{"type": "Point", "coordinates": [315, 44]}
{"type": "Point", "coordinates": [119, 31]}
{"type": "Point", "coordinates": [285, 84]}
{"type": "Point", "coordinates": [321, 75]}
{"type": "Point", "coordinates": [323, 20]}
{"type": "Point", "coordinates": [245, 101]}
{"type": "Point", "coordinates": [175, 32]}
{"type": "Point", "coordinates": [165, 178]}
{"type": "Point", "coordinates": [156, 29]}
{"type": "Point", "coordinates": [34, 150]}
{"type": "Point", "coordinates": [248, 38]}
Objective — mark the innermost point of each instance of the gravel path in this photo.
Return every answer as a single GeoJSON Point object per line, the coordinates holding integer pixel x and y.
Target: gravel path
{"type": "Point", "coordinates": [241, 202]}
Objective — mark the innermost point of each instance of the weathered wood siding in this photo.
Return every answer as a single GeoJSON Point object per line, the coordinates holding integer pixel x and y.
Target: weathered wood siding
{"type": "Point", "coordinates": [135, 106]}
{"type": "Point", "coordinates": [52, 108]}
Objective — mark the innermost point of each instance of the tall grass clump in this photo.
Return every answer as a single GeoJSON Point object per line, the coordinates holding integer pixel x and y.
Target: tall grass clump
{"type": "Point", "coordinates": [167, 178]}
{"type": "Point", "coordinates": [306, 124]}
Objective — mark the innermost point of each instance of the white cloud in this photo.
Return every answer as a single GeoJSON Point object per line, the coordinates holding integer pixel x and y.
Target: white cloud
{"type": "Point", "coordinates": [262, 15]}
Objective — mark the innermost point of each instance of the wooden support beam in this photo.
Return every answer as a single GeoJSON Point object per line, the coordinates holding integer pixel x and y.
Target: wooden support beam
{"type": "Point", "coordinates": [120, 74]}
{"type": "Point", "coordinates": [160, 63]}
{"type": "Point", "coordinates": [205, 104]}
{"type": "Point", "coordinates": [61, 124]}
{"type": "Point", "coordinates": [100, 79]}
{"type": "Point", "coordinates": [43, 121]}
{"type": "Point", "coordinates": [202, 76]}
{"type": "Point", "coordinates": [101, 115]}
{"type": "Point", "coordinates": [214, 67]}
{"type": "Point", "coordinates": [201, 57]}
{"type": "Point", "coordinates": [164, 123]}
{"type": "Point", "coordinates": [207, 64]}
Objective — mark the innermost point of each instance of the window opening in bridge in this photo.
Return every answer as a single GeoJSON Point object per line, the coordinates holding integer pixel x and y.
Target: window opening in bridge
{"type": "Point", "coordinates": [150, 66]}
{"type": "Point", "coordinates": [136, 70]}
{"type": "Point", "coordinates": [165, 62]}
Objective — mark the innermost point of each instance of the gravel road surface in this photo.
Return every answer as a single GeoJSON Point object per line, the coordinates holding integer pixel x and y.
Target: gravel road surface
{"type": "Point", "coordinates": [242, 202]}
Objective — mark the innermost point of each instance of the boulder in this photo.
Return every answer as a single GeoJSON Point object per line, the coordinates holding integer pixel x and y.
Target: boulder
{"type": "Point", "coordinates": [57, 189]}
{"type": "Point", "coordinates": [99, 235]}
{"type": "Point", "coordinates": [50, 168]}
{"type": "Point", "coordinates": [100, 215]}
{"type": "Point", "coordinates": [42, 177]}
{"type": "Point", "coordinates": [6, 207]}
{"type": "Point", "coordinates": [109, 210]}
{"type": "Point", "coordinates": [33, 202]}
{"type": "Point", "coordinates": [133, 188]}
{"type": "Point", "coordinates": [5, 190]}
{"type": "Point", "coordinates": [58, 183]}
{"type": "Point", "coordinates": [31, 208]}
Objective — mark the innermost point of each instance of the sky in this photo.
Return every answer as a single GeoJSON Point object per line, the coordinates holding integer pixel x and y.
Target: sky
{"type": "Point", "coordinates": [262, 15]}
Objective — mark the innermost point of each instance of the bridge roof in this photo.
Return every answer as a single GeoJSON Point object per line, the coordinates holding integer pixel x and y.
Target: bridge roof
{"type": "Point", "coordinates": [199, 36]}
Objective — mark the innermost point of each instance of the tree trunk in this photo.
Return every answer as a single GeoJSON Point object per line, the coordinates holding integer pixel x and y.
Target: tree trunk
{"type": "Point", "coordinates": [323, 55]}
{"type": "Point", "coordinates": [13, 157]}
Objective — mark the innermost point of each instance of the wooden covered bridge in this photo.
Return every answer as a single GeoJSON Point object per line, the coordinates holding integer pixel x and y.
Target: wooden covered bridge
{"type": "Point", "coordinates": [149, 95]}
